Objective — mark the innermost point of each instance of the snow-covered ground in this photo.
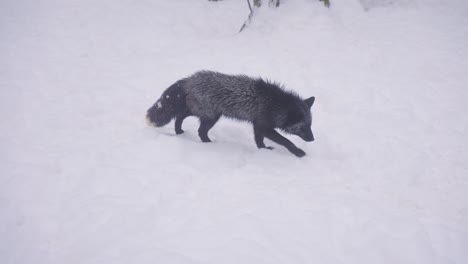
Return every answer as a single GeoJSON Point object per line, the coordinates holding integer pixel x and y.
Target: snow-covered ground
{"type": "Point", "coordinates": [83, 179]}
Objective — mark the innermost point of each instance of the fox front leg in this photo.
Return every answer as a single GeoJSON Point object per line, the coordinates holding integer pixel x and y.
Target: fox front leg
{"type": "Point", "coordinates": [259, 136]}
{"type": "Point", "coordinates": [276, 137]}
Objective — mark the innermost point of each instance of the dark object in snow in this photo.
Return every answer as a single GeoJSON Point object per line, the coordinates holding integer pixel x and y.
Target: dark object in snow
{"type": "Point", "coordinates": [210, 95]}
{"type": "Point", "coordinates": [326, 2]}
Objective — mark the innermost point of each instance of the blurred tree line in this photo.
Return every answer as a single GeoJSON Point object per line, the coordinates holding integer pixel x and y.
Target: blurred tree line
{"type": "Point", "coordinates": [258, 3]}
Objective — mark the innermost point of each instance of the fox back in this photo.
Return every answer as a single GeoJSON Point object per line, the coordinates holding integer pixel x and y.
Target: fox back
{"type": "Point", "coordinates": [243, 98]}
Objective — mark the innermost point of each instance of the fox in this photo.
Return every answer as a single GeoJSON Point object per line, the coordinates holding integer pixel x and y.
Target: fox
{"type": "Point", "coordinates": [210, 95]}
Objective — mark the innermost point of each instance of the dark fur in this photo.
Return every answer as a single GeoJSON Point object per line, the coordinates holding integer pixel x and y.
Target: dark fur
{"type": "Point", "coordinates": [210, 95]}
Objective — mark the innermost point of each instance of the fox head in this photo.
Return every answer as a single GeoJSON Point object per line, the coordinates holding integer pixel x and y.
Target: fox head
{"type": "Point", "coordinates": [299, 120]}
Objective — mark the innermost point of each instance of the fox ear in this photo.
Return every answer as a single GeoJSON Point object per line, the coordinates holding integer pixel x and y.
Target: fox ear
{"type": "Point", "coordinates": [309, 102]}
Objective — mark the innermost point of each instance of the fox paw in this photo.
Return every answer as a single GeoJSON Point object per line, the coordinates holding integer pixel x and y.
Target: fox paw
{"type": "Point", "coordinates": [298, 152]}
{"type": "Point", "coordinates": [265, 147]}
{"type": "Point", "coordinates": [178, 132]}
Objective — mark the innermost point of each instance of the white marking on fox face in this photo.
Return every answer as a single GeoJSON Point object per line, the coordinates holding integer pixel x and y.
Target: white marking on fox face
{"type": "Point", "coordinates": [167, 96]}
{"type": "Point", "coordinates": [158, 104]}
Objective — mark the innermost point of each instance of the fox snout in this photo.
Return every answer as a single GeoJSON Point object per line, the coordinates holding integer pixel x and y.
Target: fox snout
{"type": "Point", "coordinates": [307, 136]}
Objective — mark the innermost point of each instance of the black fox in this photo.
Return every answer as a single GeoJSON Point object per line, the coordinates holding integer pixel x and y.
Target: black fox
{"type": "Point", "coordinates": [210, 95]}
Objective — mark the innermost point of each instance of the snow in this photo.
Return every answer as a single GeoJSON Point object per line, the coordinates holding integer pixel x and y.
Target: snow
{"type": "Point", "coordinates": [85, 180]}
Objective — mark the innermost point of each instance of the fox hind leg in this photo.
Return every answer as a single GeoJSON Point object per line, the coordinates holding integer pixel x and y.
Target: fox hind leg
{"type": "Point", "coordinates": [206, 123]}
{"type": "Point", "coordinates": [178, 122]}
